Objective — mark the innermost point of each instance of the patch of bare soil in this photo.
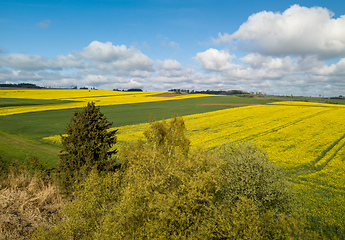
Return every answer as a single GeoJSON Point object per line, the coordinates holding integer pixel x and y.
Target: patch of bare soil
{"type": "Point", "coordinates": [26, 204]}
{"type": "Point", "coordinates": [166, 95]}
{"type": "Point", "coordinates": [17, 88]}
{"type": "Point", "coordinates": [8, 88]}
{"type": "Point", "coordinates": [228, 104]}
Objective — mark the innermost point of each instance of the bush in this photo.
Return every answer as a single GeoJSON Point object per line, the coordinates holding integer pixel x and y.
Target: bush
{"type": "Point", "coordinates": [80, 219]}
{"type": "Point", "coordinates": [247, 172]}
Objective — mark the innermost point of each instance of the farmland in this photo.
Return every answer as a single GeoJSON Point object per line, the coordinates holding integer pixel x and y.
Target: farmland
{"type": "Point", "coordinates": [306, 139]}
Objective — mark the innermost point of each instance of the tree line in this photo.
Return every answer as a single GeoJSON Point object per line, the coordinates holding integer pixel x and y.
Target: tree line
{"type": "Point", "coordinates": [215, 92]}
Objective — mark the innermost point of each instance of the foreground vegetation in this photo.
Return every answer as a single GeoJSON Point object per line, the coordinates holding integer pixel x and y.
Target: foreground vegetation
{"type": "Point", "coordinates": [166, 190]}
{"type": "Point", "coordinates": [29, 198]}
{"type": "Point", "coordinates": [306, 139]}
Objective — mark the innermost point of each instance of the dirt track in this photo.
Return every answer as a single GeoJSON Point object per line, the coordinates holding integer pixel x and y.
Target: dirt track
{"type": "Point", "coordinates": [228, 104]}
{"type": "Point", "coordinates": [166, 95]}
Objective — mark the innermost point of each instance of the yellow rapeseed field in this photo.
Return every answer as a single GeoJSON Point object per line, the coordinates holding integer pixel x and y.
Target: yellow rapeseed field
{"type": "Point", "coordinates": [79, 98]}
{"type": "Point", "coordinates": [307, 139]}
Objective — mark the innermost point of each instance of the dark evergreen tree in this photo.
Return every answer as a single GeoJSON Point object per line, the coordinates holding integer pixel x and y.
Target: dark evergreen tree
{"type": "Point", "coordinates": [87, 146]}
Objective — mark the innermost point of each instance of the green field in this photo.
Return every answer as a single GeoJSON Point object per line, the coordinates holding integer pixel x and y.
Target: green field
{"type": "Point", "coordinates": [12, 102]}
{"type": "Point", "coordinates": [15, 130]}
{"type": "Point", "coordinates": [21, 137]}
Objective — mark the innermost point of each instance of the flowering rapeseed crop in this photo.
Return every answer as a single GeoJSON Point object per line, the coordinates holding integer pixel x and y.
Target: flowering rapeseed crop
{"type": "Point", "coordinates": [79, 98]}
{"type": "Point", "coordinates": [308, 139]}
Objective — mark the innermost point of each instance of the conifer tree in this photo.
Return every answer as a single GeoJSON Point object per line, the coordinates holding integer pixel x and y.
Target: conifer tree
{"type": "Point", "coordinates": [87, 146]}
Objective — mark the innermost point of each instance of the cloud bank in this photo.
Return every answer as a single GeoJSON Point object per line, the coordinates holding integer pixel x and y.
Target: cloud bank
{"type": "Point", "coordinates": [297, 31]}
{"type": "Point", "coordinates": [299, 51]}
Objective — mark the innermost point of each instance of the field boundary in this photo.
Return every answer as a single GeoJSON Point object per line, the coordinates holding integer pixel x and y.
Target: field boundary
{"type": "Point", "coordinates": [229, 104]}
{"type": "Point", "coordinates": [166, 95]}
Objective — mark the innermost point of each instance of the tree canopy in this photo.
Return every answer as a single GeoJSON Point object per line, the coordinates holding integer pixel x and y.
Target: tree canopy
{"type": "Point", "coordinates": [89, 144]}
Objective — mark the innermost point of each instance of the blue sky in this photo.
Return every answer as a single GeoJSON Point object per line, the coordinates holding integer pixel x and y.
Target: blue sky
{"type": "Point", "coordinates": [274, 47]}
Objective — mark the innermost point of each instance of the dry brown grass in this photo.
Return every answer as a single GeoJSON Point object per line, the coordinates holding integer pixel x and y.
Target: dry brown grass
{"type": "Point", "coordinates": [26, 203]}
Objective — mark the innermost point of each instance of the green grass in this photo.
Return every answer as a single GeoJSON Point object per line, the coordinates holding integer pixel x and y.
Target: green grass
{"type": "Point", "coordinates": [32, 127]}
{"type": "Point", "coordinates": [298, 98]}
{"type": "Point", "coordinates": [37, 125]}
{"type": "Point", "coordinates": [13, 102]}
{"type": "Point", "coordinates": [21, 149]}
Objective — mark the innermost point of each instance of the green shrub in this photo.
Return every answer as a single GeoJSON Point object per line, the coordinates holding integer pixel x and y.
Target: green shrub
{"type": "Point", "coordinates": [247, 172]}
{"type": "Point", "coordinates": [81, 218]}
{"type": "Point", "coordinates": [88, 145]}
{"type": "Point", "coordinates": [168, 138]}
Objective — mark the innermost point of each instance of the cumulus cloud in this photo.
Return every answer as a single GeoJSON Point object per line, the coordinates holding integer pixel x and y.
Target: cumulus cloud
{"type": "Point", "coordinates": [172, 68]}
{"type": "Point", "coordinates": [119, 59]}
{"type": "Point", "coordinates": [288, 53]}
{"type": "Point", "coordinates": [256, 60]}
{"type": "Point", "coordinates": [36, 62]}
{"type": "Point", "coordinates": [215, 60]}
{"type": "Point", "coordinates": [334, 70]}
{"type": "Point", "coordinates": [296, 31]}
{"type": "Point", "coordinates": [108, 66]}
{"type": "Point", "coordinates": [303, 75]}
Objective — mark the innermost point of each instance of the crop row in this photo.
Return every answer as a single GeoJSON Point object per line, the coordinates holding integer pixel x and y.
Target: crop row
{"type": "Point", "coordinates": [79, 98]}
{"type": "Point", "coordinates": [291, 135]}
{"type": "Point", "coordinates": [297, 137]}
{"type": "Point", "coordinates": [306, 139]}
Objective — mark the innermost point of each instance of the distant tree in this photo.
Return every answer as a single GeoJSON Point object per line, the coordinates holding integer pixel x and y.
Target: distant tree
{"type": "Point", "coordinates": [134, 90]}
{"type": "Point", "coordinates": [87, 146]}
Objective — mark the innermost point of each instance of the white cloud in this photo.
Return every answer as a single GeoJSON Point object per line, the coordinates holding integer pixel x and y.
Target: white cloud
{"type": "Point", "coordinates": [303, 75]}
{"type": "Point", "coordinates": [296, 31]}
{"type": "Point", "coordinates": [172, 68]}
{"type": "Point", "coordinates": [36, 62]}
{"type": "Point", "coordinates": [119, 59]}
{"type": "Point", "coordinates": [337, 69]}
{"type": "Point", "coordinates": [215, 60]}
{"type": "Point", "coordinates": [23, 61]}
{"type": "Point", "coordinates": [108, 66]}
{"type": "Point", "coordinates": [169, 64]}
{"type": "Point", "coordinates": [104, 52]}
{"type": "Point", "coordinates": [256, 60]}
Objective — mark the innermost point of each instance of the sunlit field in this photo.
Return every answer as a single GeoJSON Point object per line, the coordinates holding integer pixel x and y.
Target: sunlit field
{"type": "Point", "coordinates": [306, 139]}
{"type": "Point", "coordinates": [70, 98]}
